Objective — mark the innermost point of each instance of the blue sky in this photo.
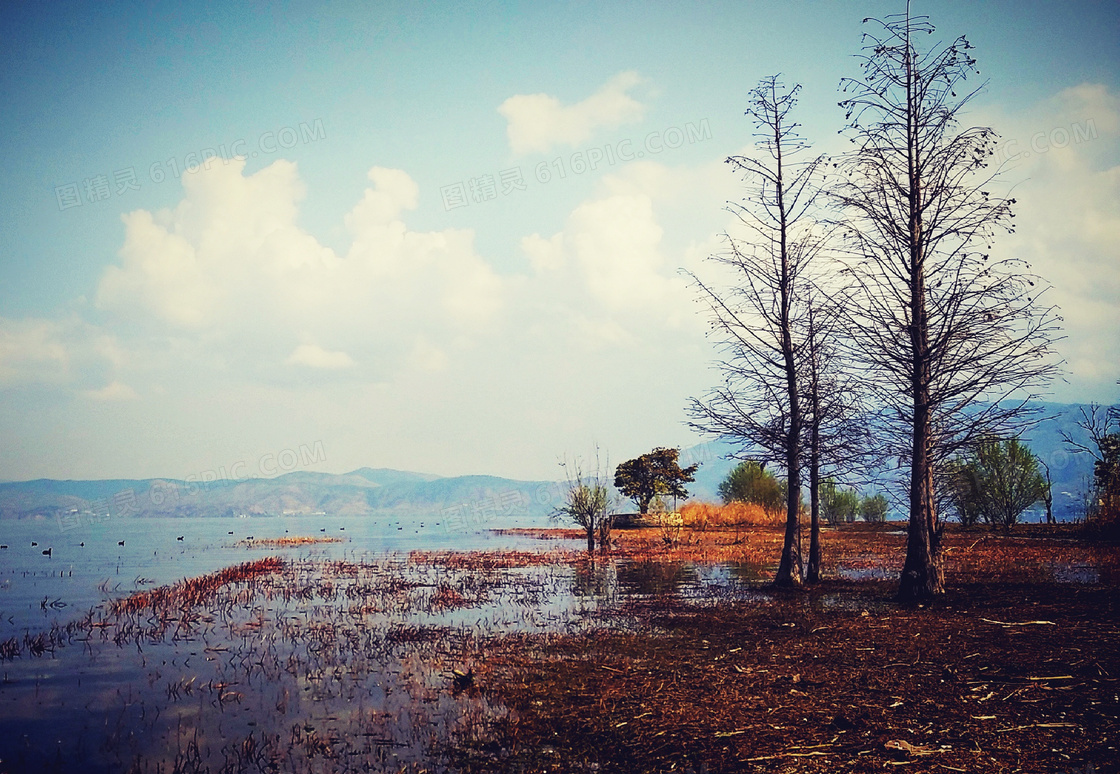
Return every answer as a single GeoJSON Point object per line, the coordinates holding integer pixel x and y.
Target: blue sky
{"type": "Point", "coordinates": [332, 286]}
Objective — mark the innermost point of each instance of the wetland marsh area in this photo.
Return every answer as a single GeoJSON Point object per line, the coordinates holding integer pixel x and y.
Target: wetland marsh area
{"type": "Point", "coordinates": [343, 649]}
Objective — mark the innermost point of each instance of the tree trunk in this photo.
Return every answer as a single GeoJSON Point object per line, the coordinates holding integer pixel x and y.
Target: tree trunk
{"type": "Point", "coordinates": [813, 571]}
{"type": "Point", "coordinates": [921, 575]}
{"type": "Point", "coordinates": [590, 539]}
{"type": "Point", "coordinates": [1048, 495]}
{"type": "Point", "coordinates": [813, 574]}
{"type": "Point", "coordinates": [789, 568]}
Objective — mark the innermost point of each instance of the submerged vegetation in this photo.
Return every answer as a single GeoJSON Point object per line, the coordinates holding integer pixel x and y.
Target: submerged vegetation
{"type": "Point", "coordinates": [653, 654]}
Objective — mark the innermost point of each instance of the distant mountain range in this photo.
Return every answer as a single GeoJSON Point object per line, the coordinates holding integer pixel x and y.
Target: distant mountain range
{"type": "Point", "coordinates": [362, 492]}
{"type": "Point", "coordinates": [470, 499]}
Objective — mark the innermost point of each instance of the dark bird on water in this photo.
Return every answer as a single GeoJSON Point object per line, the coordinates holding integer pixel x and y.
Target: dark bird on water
{"type": "Point", "coordinates": [33, 544]}
{"type": "Point", "coordinates": [179, 538]}
{"type": "Point", "coordinates": [48, 552]}
{"type": "Point", "coordinates": [120, 542]}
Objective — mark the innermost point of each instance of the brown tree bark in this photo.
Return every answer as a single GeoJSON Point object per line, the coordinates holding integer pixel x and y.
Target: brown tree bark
{"type": "Point", "coordinates": [789, 566]}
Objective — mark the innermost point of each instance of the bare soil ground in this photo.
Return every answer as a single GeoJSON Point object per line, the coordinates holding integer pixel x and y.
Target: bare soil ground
{"type": "Point", "coordinates": [1016, 669]}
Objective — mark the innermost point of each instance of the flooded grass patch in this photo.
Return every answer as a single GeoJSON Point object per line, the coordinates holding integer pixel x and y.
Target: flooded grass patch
{"type": "Point", "coordinates": [659, 655]}
{"type": "Point", "coordinates": [287, 542]}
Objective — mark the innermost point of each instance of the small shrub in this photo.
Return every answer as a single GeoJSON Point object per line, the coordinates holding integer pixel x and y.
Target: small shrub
{"type": "Point", "coordinates": [873, 509]}
{"type": "Point", "coordinates": [838, 505]}
{"type": "Point", "coordinates": [749, 483]}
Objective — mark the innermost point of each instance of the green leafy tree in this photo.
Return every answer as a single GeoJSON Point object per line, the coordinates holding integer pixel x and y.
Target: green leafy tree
{"type": "Point", "coordinates": [656, 474]}
{"type": "Point", "coordinates": [749, 483]}
{"type": "Point", "coordinates": [838, 505]}
{"type": "Point", "coordinates": [873, 509]}
{"type": "Point", "coordinates": [961, 491]}
{"type": "Point", "coordinates": [1106, 477]}
{"type": "Point", "coordinates": [997, 481]}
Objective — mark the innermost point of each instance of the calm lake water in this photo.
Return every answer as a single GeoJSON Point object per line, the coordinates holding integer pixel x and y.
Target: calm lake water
{"type": "Point", "coordinates": [88, 565]}
{"type": "Point", "coordinates": [160, 702]}
{"type": "Point", "coordinates": [340, 661]}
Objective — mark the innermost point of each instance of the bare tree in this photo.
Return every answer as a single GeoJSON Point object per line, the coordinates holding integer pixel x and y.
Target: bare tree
{"type": "Point", "coordinates": [758, 404]}
{"type": "Point", "coordinates": [957, 339]}
{"type": "Point", "coordinates": [1103, 490]}
{"type": "Point", "coordinates": [838, 440]}
{"type": "Point", "coordinates": [588, 503]}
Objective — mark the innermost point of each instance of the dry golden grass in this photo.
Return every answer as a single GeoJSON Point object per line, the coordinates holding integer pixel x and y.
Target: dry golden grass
{"type": "Point", "coordinates": [710, 516]}
{"type": "Point", "coordinates": [718, 545]}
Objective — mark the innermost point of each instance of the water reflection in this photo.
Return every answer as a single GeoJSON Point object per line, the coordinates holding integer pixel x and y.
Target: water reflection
{"type": "Point", "coordinates": [749, 573]}
{"type": "Point", "coordinates": [656, 578]}
{"type": "Point", "coordinates": [595, 579]}
{"type": "Point", "coordinates": [340, 659]}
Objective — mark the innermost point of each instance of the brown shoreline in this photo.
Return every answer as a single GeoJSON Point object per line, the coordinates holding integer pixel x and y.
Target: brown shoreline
{"type": "Point", "coordinates": [1011, 671]}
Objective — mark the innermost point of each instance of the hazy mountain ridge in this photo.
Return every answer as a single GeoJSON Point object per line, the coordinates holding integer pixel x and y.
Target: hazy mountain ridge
{"type": "Point", "coordinates": [1069, 471]}
{"type": "Point", "coordinates": [362, 492]}
{"type": "Point", "coordinates": [475, 498]}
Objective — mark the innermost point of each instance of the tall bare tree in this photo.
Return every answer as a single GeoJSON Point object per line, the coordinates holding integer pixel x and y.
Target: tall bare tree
{"type": "Point", "coordinates": [957, 338]}
{"type": "Point", "coordinates": [838, 441]}
{"type": "Point", "coordinates": [756, 320]}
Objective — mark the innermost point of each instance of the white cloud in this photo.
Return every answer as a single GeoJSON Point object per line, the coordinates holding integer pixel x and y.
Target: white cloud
{"type": "Point", "coordinates": [616, 241]}
{"type": "Point", "coordinates": [314, 356]}
{"type": "Point", "coordinates": [608, 264]}
{"type": "Point", "coordinates": [1063, 156]}
{"type": "Point", "coordinates": [428, 357]}
{"type": "Point", "coordinates": [230, 269]}
{"type": "Point", "coordinates": [611, 262]}
{"type": "Point", "coordinates": [393, 192]}
{"type": "Point", "coordinates": [545, 255]}
{"type": "Point", "coordinates": [222, 315]}
{"type": "Point", "coordinates": [32, 350]}
{"type": "Point", "coordinates": [538, 122]}
{"type": "Point", "coordinates": [64, 352]}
